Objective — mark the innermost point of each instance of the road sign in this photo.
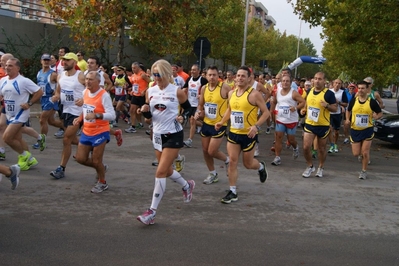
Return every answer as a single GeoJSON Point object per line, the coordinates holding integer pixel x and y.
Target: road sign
{"type": "Point", "coordinates": [202, 47]}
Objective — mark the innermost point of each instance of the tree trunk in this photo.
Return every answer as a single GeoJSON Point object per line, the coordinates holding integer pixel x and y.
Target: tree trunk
{"type": "Point", "coordinates": [121, 42]}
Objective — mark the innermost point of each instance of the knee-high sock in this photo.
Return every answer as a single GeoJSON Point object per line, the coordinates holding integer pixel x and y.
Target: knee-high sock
{"type": "Point", "coordinates": [159, 189]}
{"type": "Point", "coordinates": [176, 177]}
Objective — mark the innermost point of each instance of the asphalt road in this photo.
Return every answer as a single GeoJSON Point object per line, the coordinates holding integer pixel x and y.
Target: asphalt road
{"type": "Point", "coordinates": [289, 220]}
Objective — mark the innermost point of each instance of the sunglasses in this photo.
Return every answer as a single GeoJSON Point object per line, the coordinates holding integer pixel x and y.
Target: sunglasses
{"type": "Point", "coordinates": [157, 75]}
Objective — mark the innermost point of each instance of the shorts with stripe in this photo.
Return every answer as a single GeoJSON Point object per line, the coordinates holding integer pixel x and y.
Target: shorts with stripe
{"type": "Point", "coordinates": [246, 143]}
{"type": "Point", "coordinates": [210, 131]}
{"type": "Point", "coordinates": [319, 131]}
{"type": "Point", "coordinates": [360, 135]}
{"type": "Point", "coordinates": [95, 140]}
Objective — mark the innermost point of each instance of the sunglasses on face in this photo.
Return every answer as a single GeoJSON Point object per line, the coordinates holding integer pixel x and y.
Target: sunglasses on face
{"type": "Point", "coordinates": [157, 75]}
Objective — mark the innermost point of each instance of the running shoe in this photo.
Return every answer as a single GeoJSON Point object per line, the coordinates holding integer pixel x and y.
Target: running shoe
{"type": "Point", "coordinates": [319, 172]}
{"type": "Point", "coordinates": [268, 130]}
{"type": "Point", "coordinates": [155, 163]}
{"type": "Point", "coordinates": [147, 217]}
{"type": "Point", "coordinates": [148, 132]}
{"type": "Point", "coordinates": [211, 178]}
{"type": "Point", "coordinates": [42, 142]}
{"type": "Point", "coordinates": [130, 130]}
{"type": "Point", "coordinates": [2, 156]}
{"type": "Point", "coordinates": [188, 194]}
{"type": "Point", "coordinates": [58, 173]}
{"type": "Point", "coordinates": [36, 145]}
{"type": "Point", "coordinates": [363, 175]}
{"type": "Point", "coordinates": [32, 162]}
{"type": "Point", "coordinates": [230, 197]}
{"type": "Point", "coordinates": [276, 161]}
{"type": "Point", "coordinates": [99, 187]}
{"type": "Point", "coordinates": [346, 141]}
{"type": "Point", "coordinates": [114, 124]}
{"type": "Point", "coordinates": [308, 171]}
{"type": "Point", "coordinates": [188, 143]}
{"type": "Point", "coordinates": [295, 153]}
{"type": "Point", "coordinates": [59, 134]}
{"type": "Point", "coordinates": [179, 163]}
{"type": "Point", "coordinates": [263, 173]}
{"type": "Point", "coordinates": [14, 177]}
{"type": "Point", "coordinates": [118, 137]}
{"type": "Point", "coordinates": [335, 148]}
{"type": "Point", "coordinates": [331, 150]}
{"type": "Point", "coordinates": [139, 125]}
{"type": "Point", "coordinates": [23, 161]}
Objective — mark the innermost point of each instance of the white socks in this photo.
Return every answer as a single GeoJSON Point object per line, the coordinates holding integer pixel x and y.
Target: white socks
{"type": "Point", "coordinates": [159, 190]}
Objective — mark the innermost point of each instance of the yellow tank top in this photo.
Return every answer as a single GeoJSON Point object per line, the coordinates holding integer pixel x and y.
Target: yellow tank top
{"type": "Point", "coordinates": [231, 83]}
{"type": "Point", "coordinates": [362, 115]}
{"type": "Point", "coordinates": [243, 113]}
{"type": "Point", "coordinates": [317, 115]}
{"type": "Point", "coordinates": [215, 106]}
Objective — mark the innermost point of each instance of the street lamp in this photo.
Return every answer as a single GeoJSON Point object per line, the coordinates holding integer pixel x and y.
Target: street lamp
{"type": "Point", "coordinates": [244, 46]}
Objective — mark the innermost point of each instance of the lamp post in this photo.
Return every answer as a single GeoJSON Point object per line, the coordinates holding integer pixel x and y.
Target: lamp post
{"type": "Point", "coordinates": [299, 41]}
{"type": "Point", "coordinates": [244, 46]}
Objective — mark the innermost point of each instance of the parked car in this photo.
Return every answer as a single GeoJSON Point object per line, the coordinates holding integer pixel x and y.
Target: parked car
{"type": "Point", "coordinates": [387, 129]}
{"type": "Point", "coordinates": [386, 94]}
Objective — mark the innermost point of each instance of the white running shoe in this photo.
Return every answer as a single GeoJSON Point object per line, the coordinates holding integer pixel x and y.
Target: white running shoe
{"type": "Point", "coordinates": [319, 172]}
{"type": "Point", "coordinates": [308, 171]}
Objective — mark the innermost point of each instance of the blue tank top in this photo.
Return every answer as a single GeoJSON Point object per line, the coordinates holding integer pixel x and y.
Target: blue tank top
{"type": "Point", "coordinates": [43, 81]}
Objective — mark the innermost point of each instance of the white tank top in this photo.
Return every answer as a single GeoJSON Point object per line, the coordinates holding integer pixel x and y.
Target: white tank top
{"type": "Point", "coordinates": [284, 102]}
{"type": "Point", "coordinates": [71, 90]}
{"type": "Point", "coordinates": [193, 91]}
{"type": "Point", "coordinates": [164, 106]}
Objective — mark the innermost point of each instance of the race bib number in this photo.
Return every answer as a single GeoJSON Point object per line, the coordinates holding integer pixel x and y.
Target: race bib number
{"type": "Point", "coordinates": [362, 120]}
{"type": "Point", "coordinates": [313, 114]}
{"type": "Point", "coordinates": [67, 97]}
{"type": "Point", "coordinates": [43, 88]}
{"type": "Point", "coordinates": [193, 93]}
{"type": "Point", "coordinates": [136, 88]}
{"type": "Point", "coordinates": [88, 109]}
{"type": "Point", "coordinates": [118, 90]}
{"type": "Point", "coordinates": [284, 111]}
{"type": "Point", "coordinates": [237, 120]}
{"type": "Point", "coordinates": [157, 142]}
{"type": "Point", "coordinates": [10, 107]}
{"type": "Point", "coordinates": [210, 110]}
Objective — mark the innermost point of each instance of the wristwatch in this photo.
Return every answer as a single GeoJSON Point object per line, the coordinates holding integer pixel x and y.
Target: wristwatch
{"type": "Point", "coordinates": [98, 116]}
{"type": "Point", "coordinates": [30, 104]}
{"type": "Point", "coordinates": [257, 127]}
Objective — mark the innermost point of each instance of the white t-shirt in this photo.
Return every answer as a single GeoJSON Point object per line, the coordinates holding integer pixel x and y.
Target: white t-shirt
{"type": "Point", "coordinates": [16, 92]}
{"type": "Point", "coordinates": [284, 102]}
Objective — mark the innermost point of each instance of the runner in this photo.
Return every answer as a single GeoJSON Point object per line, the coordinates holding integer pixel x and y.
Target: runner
{"type": "Point", "coordinates": [97, 113]}
{"type": "Point", "coordinates": [162, 106]}
{"type": "Point", "coordinates": [12, 173]}
{"type": "Point", "coordinates": [242, 110]}
{"type": "Point", "coordinates": [212, 106]}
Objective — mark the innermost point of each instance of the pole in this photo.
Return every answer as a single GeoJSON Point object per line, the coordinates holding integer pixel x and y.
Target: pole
{"type": "Point", "coordinates": [200, 57]}
{"type": "Point", "coordinates": [244, 46]}
{"type": "Point", "coordinates": [299, 40]}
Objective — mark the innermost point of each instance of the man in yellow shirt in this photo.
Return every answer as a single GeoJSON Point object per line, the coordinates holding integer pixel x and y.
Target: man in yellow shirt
{"type": "Point", "coordinates": [82, 64]}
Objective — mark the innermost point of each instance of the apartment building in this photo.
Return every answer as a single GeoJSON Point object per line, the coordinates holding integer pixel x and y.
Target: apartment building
{"type": "Point", "coordinates": [26, 9]}
{"type": "Point", "coordinates": [258, 11]}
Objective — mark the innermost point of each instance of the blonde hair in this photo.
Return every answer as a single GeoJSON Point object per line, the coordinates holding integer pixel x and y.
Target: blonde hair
{"type": "Point", "coordinates": [164, 69]}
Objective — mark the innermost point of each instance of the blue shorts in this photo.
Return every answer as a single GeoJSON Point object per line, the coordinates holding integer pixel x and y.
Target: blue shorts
{"type": "Point", "coordinates": [283, 128]}
{"type": "Point", "coordinates": [94, 141]}
{"type": "Point", "coordinates": [48, 105]}
{"type": "Point", "coordinates": [210, 131]}
{"type": "Point", "coordinates": [360, 135]}
{"type": "Point", "coordinates": [246, 143]}
{"type": "Point", "coordinates": [120, 98]}
{"type": "Point", "coordinates": [319, 131]}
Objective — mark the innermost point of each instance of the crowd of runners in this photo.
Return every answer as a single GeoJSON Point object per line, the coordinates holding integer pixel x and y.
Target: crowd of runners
{"type": "Point", "coordinates": [88, 105]}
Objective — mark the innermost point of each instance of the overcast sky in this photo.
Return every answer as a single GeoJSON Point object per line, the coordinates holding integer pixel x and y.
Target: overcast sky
{"type": "Point", "coordinates": [286, 20]}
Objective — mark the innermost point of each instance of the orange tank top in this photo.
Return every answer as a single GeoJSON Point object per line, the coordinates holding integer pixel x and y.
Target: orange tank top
{"type": "Point", "coordinates": [94, 105]}
{"type": "Point", "coordinates": [138, 84]}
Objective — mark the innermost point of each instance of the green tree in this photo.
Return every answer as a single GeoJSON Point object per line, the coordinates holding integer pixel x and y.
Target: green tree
{"type": "Point", "coordinates": [360, 36]}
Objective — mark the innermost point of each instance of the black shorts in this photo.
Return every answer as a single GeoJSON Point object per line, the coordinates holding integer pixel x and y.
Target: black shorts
{"type": "Point", "coordinates": [68, 119]}
{"type": "Point", "coordinates": [174, 140]}
{"type": "Point", "coordinates": [138, 100]}
{"type": "Point", "coordinates": [210, 131]}
{"type": "Point", "coordinates": [319, 131]}
{"type": "Point", "coordinates": [360, 135]}
{"type": "Point", "coordinates": [246, 143]}
{"type": "Point", "coordinates": [120, 98]}
{"type": "Point", "coordinates": [192, 111]}
{"type": "Point", "coordinates": [335, 121]}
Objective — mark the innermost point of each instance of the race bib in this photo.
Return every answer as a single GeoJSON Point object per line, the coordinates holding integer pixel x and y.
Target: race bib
{"type": "Point", "coordinates": [193, 93]}
{"type": "Point", "coordinates": [237, 120]}
{"type": "Point", "coordinates": [88, 109]}
{"type": "Point", "coordinates": [313, 114]}
{"type": "Point", "coordinates": [67, 97]}
{"type": "Point", "coordinates": [362, 120]}
{"type": "Point", "coordinates": [136, 88]}
{"type": "Point", "coordinates": [284, 111]}
{"type": "Point", "coordinates": [157, 142]}
{"type": "Point", "coordinates": [210, 110]}
{"type": "Point", "coordinates": [43, 88]}
{"type": "Point", "coordinates": [118, 90]}
{"type": "Point", "coordinates": [10, 107]}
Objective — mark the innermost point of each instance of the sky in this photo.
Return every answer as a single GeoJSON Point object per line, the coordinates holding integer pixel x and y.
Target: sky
{"type": "Point", "coordinates": [286, 20]}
